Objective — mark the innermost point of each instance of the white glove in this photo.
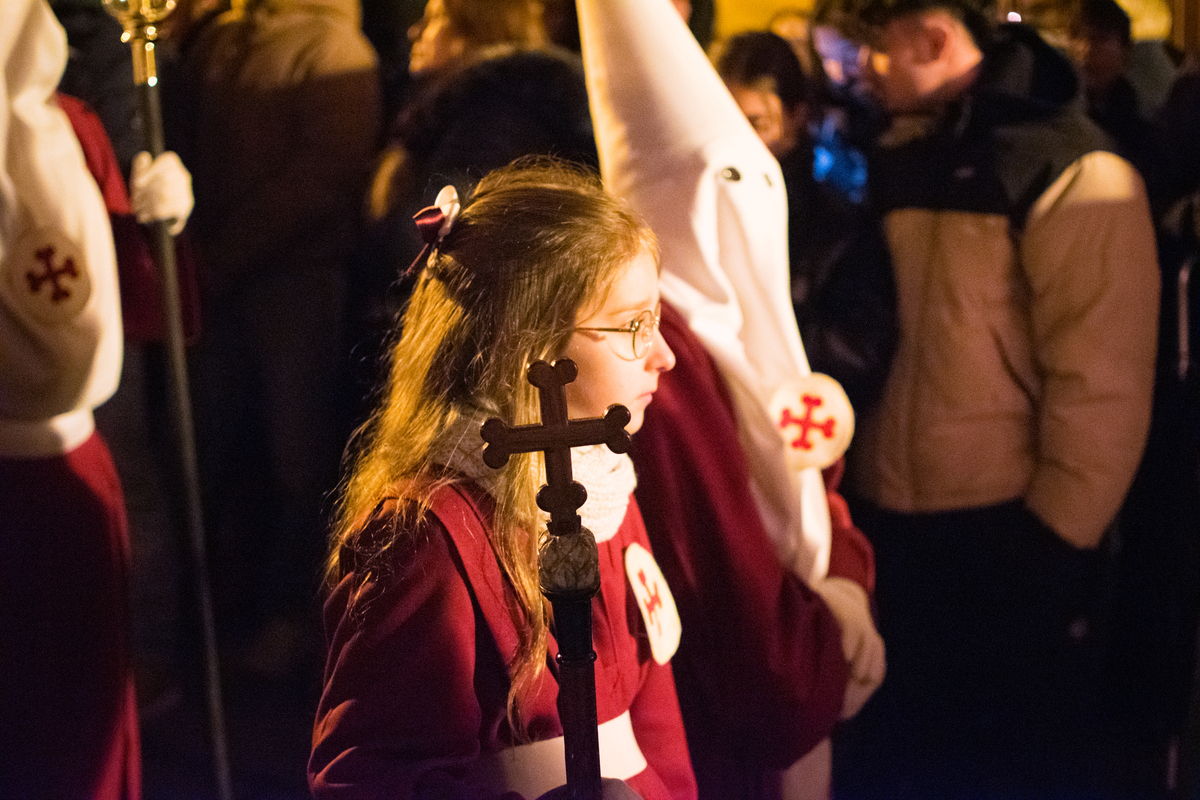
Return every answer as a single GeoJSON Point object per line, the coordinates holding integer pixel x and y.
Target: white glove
{"type": "Point", "coordinates": [161, 189]}
{"type": "Point", "coordinates": [862, 645]}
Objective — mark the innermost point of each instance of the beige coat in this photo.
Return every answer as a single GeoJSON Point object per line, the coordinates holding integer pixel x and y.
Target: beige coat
{"type": "Point", "coordinates": [1026, 363]}
{"type": "Point", "coordinates": [284, 107]}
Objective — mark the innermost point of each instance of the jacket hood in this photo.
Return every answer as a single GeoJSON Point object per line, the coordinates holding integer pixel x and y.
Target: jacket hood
{"type": "Point", "coordinates": [1022, 72]}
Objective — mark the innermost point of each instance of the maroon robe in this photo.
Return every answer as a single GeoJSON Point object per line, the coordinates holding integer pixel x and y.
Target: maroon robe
{"type": "Point", "coordinates": [760, 668]}
{"type": "Point", "coordinates": [416, 679]}
{"type": "Point", "coordinates": [69, 727]}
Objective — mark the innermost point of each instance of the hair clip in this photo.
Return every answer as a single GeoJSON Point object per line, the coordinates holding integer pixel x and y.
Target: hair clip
{"type": "Point", "coordinates": [433, 223]}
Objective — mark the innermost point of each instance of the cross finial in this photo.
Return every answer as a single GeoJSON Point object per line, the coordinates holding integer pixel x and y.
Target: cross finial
{"type": "Point", "coordinates": [556, 435]}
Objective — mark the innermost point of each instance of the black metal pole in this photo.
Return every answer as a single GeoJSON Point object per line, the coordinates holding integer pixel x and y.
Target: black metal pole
{"type": "Point", "coordinates": [164, 252]}
{"type": "Point", "coordinates": [577, 695]}
{"type": "Point", "coordinates": [139, 19]}
{"type": "Point", "coordinates": [569, 573]}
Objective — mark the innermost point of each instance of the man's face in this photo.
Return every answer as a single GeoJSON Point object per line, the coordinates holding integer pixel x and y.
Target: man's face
{"type": "Point", "coordinates": [903, 70]}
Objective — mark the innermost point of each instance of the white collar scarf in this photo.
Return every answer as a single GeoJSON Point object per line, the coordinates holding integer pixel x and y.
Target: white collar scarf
{"type": "Point", "coordinates": [607, 476]}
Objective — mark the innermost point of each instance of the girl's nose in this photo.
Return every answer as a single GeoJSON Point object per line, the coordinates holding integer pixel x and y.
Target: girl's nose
{"type": "Point", "coordinates": [661, 357]}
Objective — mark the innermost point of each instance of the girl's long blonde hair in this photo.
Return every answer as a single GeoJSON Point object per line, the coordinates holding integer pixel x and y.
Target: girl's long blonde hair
{"type": "Point", "coordinates": [537, 242]}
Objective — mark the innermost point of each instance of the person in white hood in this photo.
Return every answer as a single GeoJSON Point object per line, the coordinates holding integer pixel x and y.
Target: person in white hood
{"type": "Point", "coordinates": [69, 727]}
{"type": "Point", "coordinates": [673, 142]}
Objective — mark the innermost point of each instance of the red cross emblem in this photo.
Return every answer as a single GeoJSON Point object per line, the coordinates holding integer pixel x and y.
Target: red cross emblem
{"type": "Point", "coordinates": [52, 274]}
{"type": "Point", "coordinates": [653, 599]}
{"type": "Point", "coordinates": [806, 423]}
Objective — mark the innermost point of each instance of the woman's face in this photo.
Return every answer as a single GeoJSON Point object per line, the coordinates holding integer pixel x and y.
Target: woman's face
{"type": "Point", "coordinates": [609, 370]}
{"type": "Point", "coordinates": [778, 128]}
{"type": "Point", "coordinates": [435, 43]}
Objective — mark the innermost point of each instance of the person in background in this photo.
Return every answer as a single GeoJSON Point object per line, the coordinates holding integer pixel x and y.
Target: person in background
{"type": "Point", "coordinates": [1015, 413]}
{"type": "Point", "coordinates": [770, 86]}
{"type": "Point", "coordinates": [441, 678]}
{"type": "Point", "coordinates": [771, 578]}
{"type": "Point", "coordinates": [1101, 42]}
{"type": "Point", "coordinates": [489, 88]}
{"type": "Point", "coordinates": [279, 118]}
{"type": "Point", "coordinates": [840, 274]}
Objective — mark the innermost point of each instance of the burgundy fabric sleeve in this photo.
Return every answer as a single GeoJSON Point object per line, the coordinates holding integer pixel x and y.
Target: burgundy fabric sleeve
{"type": "Point", "coordinates": [141, 297]}
{"type": "Point", "coordinates": [656, 720]}
{"type": "Point", "coordinates": [98, 153]}
{"type": "Point", "coordinates": [400, 710]}
{"type": "Point", "coordinates": [850, 555]}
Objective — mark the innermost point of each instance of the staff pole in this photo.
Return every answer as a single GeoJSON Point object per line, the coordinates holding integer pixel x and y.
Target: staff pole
{"type": "Point", "coordinates": [569, 563]}
{"type": "Point", "coordinates": [140, 19]}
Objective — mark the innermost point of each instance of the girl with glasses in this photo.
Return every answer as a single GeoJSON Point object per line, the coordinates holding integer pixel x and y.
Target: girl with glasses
{"type": "Point", "coordinates": [440, 680]}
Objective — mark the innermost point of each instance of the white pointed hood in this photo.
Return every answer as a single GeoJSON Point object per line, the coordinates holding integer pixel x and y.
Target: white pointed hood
{"type": "Point", "coordinates": [675, 145]}
{"type": "Point", "coordinates": [60, 324]}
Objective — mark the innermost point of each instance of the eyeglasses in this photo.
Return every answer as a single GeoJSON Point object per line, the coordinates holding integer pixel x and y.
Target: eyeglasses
{"type": "Point", "coordinates": [641, 332]}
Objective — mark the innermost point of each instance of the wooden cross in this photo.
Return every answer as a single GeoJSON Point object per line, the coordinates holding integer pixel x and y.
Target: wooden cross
{"type": "Point", "coordinates": [569, 565]}
{"type": "Point", "coordinates": [555, 436]}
